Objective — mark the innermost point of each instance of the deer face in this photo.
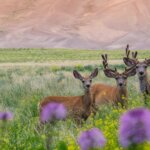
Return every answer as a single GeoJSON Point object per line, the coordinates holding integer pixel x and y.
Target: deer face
{"type": "Point", "coordinates": [86, 81]}
{"type": "Point", "coordinates": [121, 78]}
{"type": "Point", "coordinates": [141, 67]}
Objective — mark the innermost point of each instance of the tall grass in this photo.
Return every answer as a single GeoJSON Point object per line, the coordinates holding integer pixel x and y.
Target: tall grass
{"type": "Point", "coordinates": [21, 89]}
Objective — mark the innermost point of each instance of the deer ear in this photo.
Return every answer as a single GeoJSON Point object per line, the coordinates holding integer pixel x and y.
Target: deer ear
{"type": "Point", "coordinates": [131, 72]}
{"type": "Point", "coordinates": [94, 73]}
{"type": "Point", "coordinates": [109, 73]}
{"type": "Point", "coordinates": [148, 62]}
{"type": "Point", "coordinates": [129, 62]}
{"type": "Point", "coordinates": [77, 74]}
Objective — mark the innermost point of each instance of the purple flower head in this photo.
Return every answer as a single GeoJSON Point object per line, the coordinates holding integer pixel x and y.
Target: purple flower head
{"type": "Point", "coordinates": [53, 111]}
{"type": "Point", "coordinates": [134, 127]}
{"type": "Point", "coordinates": [92, 138]}
{"type": "Point", "coordinates": [6, 115]}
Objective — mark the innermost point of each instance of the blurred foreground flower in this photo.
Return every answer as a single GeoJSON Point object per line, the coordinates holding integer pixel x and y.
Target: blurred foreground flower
{"type": "Point", "coordinates": [53, 111]}
{"type": "Point", "coordinates": [92, 138]}
{"type": "Point", "coordinates": [6, 116]}
{"type": "Point", "coordinates": [135, 127]}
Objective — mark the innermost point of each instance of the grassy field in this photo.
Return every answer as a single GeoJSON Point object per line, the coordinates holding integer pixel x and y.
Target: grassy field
{"type": "Point", "coordinates": [46, 55]}
{"type": "Point", "coordinates": [22, 88]}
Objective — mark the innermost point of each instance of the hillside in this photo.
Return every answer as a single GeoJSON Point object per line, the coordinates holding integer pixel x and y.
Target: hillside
{"type": "Point", "coordinates": [84, 24]}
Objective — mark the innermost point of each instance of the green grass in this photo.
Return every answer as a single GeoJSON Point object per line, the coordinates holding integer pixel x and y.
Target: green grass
{"type": "Point", "coordinates": [45, 55]}
{"type": "Point", "coordinates": [21, 89]}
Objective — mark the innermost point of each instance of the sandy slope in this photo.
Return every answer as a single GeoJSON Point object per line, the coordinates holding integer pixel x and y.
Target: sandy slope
{"type": "Point", "coordinates": [91, 24]}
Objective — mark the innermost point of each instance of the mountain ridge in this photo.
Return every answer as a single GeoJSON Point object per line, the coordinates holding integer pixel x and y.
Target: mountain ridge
{"type": "Point", "coordinates": [83, 24]}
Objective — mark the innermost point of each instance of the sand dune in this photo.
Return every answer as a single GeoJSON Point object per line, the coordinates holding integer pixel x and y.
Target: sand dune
{"type": "Point", "coordinates": [87, 24]}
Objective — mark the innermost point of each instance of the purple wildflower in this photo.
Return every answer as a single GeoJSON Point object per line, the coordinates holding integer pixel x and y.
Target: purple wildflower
{"type": "Point", "coordinates": [6, 116]}
{"type": "Point", "coordinates": [92, 138]}
{"type": "Point", "coordinates": [53, 111]}
{"type": "Point", "coordinates": [134, 127]}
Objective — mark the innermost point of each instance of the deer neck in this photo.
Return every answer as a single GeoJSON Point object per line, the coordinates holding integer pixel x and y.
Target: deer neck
{"type": "Point", "coordinates": [122, 93]}
{"type": "Point", "coordinates": [144, 84]}
{"type": "Point", "coordinates": [87, 100]}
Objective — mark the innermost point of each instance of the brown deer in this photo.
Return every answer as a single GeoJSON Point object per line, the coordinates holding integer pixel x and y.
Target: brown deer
{"type": "Point", "coordinates": [78, 107]}
{"type": "Point", "coordinates": [141, 70]}
{"type": "Point", "coordinates": [103, 93]}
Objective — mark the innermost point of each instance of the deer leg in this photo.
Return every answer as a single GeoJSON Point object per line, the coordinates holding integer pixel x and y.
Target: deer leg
{"type": "Point", "coordinates": [124, 104]}
{"type": "Point", "coordinates": [115, 105]}
{"type": "Point", "coordinates": [94, 109]}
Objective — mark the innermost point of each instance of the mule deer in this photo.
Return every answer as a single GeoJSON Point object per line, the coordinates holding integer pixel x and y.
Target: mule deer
{"type": "Point", "coordinates": [112, 94]}
{"type": "Point", "coordinates": [79, 107]}
{"type": "Point", "coordinates": [141, 70]}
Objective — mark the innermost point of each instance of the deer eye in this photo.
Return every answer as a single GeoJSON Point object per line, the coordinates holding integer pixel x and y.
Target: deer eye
{"type": "Point", "coordinates": [90, 80]}
{"type": "Point", "coordinates": [137, 66]}
{"type": "Point", "coordinates": [145, 67]}
{"type": "Point", "coordinates": [83, 81]}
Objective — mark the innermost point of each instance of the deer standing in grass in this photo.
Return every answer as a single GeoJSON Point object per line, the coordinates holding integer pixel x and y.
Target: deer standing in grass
{"type": "Point", "coordinates": [112, 94]}
{"type": "Point", "coordinates": [78, 107]}
{"type": "Point", "coordinates": [141, 70]}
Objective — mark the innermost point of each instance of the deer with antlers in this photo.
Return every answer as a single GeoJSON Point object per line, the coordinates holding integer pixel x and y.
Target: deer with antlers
{"type": "Point", "coordinates": [141, 70]}
{"type": "Point", "coordinates": [78, 107]}
{"type": "Point", "coordinates": [103, 93]}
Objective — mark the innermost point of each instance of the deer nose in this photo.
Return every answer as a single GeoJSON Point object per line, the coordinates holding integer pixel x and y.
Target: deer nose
{"type": "Point", "coordinates": [88, 85]}
{"type": "Point", "coordinates": [141, 73]}
{"type": "Point", "coordinates": [120, 84]}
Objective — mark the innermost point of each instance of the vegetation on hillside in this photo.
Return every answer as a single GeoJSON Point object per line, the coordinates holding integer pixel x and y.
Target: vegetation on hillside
{"type": "Point", "coordinates": [46, 55]}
